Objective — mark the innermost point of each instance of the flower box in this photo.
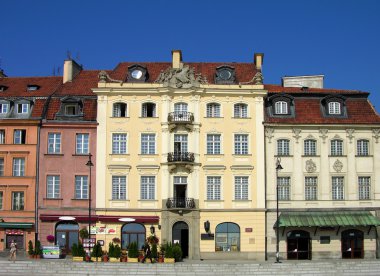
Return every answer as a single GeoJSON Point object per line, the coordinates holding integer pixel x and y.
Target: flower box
{"type": "Point", "coordinates": [169, 260]}
{"type": "Point", "coordinates": [133, 260]}
{"type": "Point", "coordinates": [114, 260]}
{"type": "Point", "coordinates": [77, 259]}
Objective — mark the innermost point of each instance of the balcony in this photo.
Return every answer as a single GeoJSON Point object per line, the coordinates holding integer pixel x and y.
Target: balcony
{"type": "Point", "coordinates": [180, 203]}
{"type": "Point", "coordinates": [183, 118]}
{"type": "Point", "coordinates": [184, 159]}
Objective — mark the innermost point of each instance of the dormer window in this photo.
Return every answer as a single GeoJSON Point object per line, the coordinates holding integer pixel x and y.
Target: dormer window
{"type": "Point", "coordinates": [3, 88]}
{"type": "Point", "coordinates": [281, 107]}
{"type": "Point", "coordinates": [334, 108]}
{"type": "Point", "coordinates": [22, 108]}
{"type": "Point", "coordinates": [137, 73]}
{"type": "Point", "coordinates": [4, 108]}
{"type": "Point", "coordinates": [225, 75]}
{"type": "Point", "coordinates": [32, 87]}
{"type": "Point", "coordinates": [70, 110]}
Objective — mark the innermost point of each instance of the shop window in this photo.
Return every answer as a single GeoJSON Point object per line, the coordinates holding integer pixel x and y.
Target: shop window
{"type": "Point", "coordinates": [227, 237]}
{"type": "Point", "coordinates": [66, 234]}
{"type": "Point", "coordinates": [132, 232]}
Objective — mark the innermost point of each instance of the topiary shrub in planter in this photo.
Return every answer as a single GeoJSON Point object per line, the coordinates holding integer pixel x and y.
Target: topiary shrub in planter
{"type": "Point", "coordinates": [38, 250]}
{"type": "Point", "coordinates": [83, 234]}
{"type": "Point", "coordinates": [30, 249]}
{"type": "Point", "coordinates": [133, 253]}
{"type": "Point", "coordinates": [154, 252]}
{"type": "Point", "coordinates": [177, 252]}
{"type": "Point", "coordinates": [97, 252]}
{"type": "Point", "coordinates": [114, 252]}
{"type": "Point", "coordinates": [169, 256]}
{"type": "Point", "coordinates": [78, 253]}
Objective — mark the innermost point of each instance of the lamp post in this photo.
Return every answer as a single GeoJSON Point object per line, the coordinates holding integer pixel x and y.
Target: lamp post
{"type": "Point", "coordinates": [278, 167]}
{"type": "Point", "coordinates": [89, 164]}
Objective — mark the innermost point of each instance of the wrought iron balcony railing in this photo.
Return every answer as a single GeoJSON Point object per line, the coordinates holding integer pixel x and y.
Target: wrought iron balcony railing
{"type": "Point", "coordinates": [181, 157]}
{"type": "Point", "coordinates": [180, 117]}
{"type": "Point", "coordinates": [180, 202]}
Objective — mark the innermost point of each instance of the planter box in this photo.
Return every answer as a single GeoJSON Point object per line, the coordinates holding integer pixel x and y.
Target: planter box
{"type": "Point", "coordinates": [99, 259]}
{"type": "Point", "coordinates": [114, 260]}
{"type": "Point", "coordinates": [133, 260]}
{"type": "Point", "coordinates": [77, 259]}
{"type": "Point", "coordinates": [169, 260]}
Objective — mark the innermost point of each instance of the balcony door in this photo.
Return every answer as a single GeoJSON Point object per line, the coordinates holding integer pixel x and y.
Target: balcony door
{"type": "Point", "coordinates": [180, 191]}
{"type": "Point", "coordinates": [180, 146]}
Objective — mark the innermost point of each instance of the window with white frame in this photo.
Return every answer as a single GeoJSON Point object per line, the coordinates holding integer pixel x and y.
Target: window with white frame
{"type": "Point", "coordinates": [336, 147]}
{"type": "Point", "coordinates": [180, 180]}
{"type": "Point", "coordinates": [213, 110]}
{"type": "Point", "coordinates": [213, 143]}
{"type": "Point", "coordinates": [54, 143]}
{"type": "Point", "coordinates": [81, 187]}
{"type": "Point", "coordinates": [283, 147]}
{"type": "Point", "coordinates": [310, 147]}
{"type": "Point", "coordinates": [1, 200]}
{"type": "Point", "coordinates": [119, 110]}
{"type": "Point", "coordinates": [19, 136]}
{"type": "Point", "coordinates": [241, 144]}
{"type": "Point", "coordinates": [4, 108]}
{"type": "Point", "coordinates": [334, 108]}
{"type": "Point", "coordinates": [180, 107]}
{"type": "Point", "coordinates": [311, 188]}
{"type": "Point", "coordinates": [241, 187]}
{"type": "Point", "coordinates": [2, 136]}
{"type": "Point", "coordinates": [281, 107]}
{"type": "Point", "coordinates": [364, 187]}
{"type": "Point", "coordinates": [283, 184]}
{"type": "Point", "coordinates": [337, 188]}
{"type": "Point", "coordinates": [82, 140]}
{"type": "Point", "coordinates": [362, 147]}
{"type": "Point", "coordinates": [240, 111]}
{"type": "Point", "coordinates": [53, 186]}
{"type": "Point", "coordinates": [1, 166]}
{"type": "Point", "coordinates": [22, 108]}
{"type": "Point", "coordinates": [148, 110]}
{"type": "Point", "coordinates": [148, 184]}
{"type": "Point", "coordinates": [148, 143]}
{"type": "Point", "coordinates": [17, 201]}
{"type": "Point", "coordinates": [119, 143]}
{"type": "Point", "coordinates": [213, 188]}
{"type": "Point", "coordinates": [18, 166]}
{"type": "Point", "coordinates": [119, 187]}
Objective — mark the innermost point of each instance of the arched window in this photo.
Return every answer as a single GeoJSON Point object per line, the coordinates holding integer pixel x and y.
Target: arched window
{"type": "Point", "coordinates": [180, 107]}
{"type": "Point", "coordinates": [66, 234]}
{"type": "Point", "coordinates": [227, 237]}
{"type": "Point", "coordinates": [132, 232]}
{"type": "Point", "coordinates": [119, 110]}
{"type": "Point", "coordinates": [240, 111]}
{"type": "Point", "coordinates": [148, 110]}
{"type": "Point", "coordinates": [281, 107]}
{"type": "Point", "coordinates": [213, 110]}
{"type": "Point", "coordinates": [334, 108]}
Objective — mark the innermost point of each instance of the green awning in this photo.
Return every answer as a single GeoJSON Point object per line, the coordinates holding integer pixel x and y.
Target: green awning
{"type": "Point", "coordinates": [16, 225]}
{"type": "Point", "coordinates": [328, 219]}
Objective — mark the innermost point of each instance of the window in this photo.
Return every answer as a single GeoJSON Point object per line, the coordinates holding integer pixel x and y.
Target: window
{"type": "Point", "coordinates": [4, 108]}
{"type": "Point", "coordinates": [119, 110]}
{"type": "Point", "coordinates": [54, 143]}
{"type": "Point", "coordinates": [241, 187]}
{"type": "Point", "coordinates": [240, 111]}
{"type": "Point", "coordinates": [132, 232]}
{"type": "Point", "coordinates": [180, 180]}
{"type": "Point", "coordinates": [53, 186]}
{"type": "Point", "coordinates": [148, 187]}
{"type": "Point", "coordinates": [334, 108]}
{"type": "Point", "coordinates": [70, 110]}
{"type": "Point", "coordinates": [81, 187]}
{"type": "Point", "coordinates": [364, 187]}
{"type": "Point", "coordinates": [19, 136]}
{"type": "Point", "coordinates": [213, 143]}
{"type": "Point", "coordinates": [310, 147]}
{"type": "Point", "coordinates": [22, 108]}
{"type": "Point", "coordinates": [227, 237]}
{"type": "Point", "coordinates": [241, 144]}
{"type": "Point", "coordinates": [362, 147]}
{"type": "Point", "coordinates": [213, 110]}
{"type": "Point", "coordinates": [336, 147]}
{"type": "Point", "coordinates": [119, 187]}
{"type": "Point", "coordinates": [283, 184]}
{"type": "Point", "coordinates": [148, 143]}
{"type": "Point", "coordinates": [18, 166]}
{"type": "Point", "coordinates": [337, 188]}
{"type": "Point", "coordinates": [1, 166]}
{"type": "Point", "coordinates": [32, 87]}
{"type": "Point", "coordinates": [2, 136]}
{"type": "Point", "coordinates": [180, 107]}
{"type": "Point", "coordinates": [119, 143]}
{"type": "Point", "coordinates": [281, 107]}
{"type": "Point", "coordinates": [17, 201]}
{"type": "Point", "coordinates": [82, 143]}
{"type": "Point", "coordinates": [1, 200]}
{"type": "Point", "coordinates": [213, 187]}
{"type": "Point", "coordinates": [310, 188]}
{"type": "Point", "coordinates": [148, 110]}
{"type": "Point", "coordinates": [283, 147]}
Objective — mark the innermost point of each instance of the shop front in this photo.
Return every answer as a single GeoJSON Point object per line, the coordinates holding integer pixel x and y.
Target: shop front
{"type": "Point", "coordinates": [20, 232]}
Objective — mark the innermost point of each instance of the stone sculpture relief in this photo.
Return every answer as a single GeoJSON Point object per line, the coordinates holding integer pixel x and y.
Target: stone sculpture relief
{"type": "Point", "coordinates": [181, 77]}
{"type": "Point", "coordinates": [310, 166]}
{"type": "Point", "coordinates": [338, 166]}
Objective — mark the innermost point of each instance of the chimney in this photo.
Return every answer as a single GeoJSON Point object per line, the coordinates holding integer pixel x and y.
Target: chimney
{"type": "Point", "coordinates": [258, 59]}
{"type": "Point", "coordinates": [312, 81]}
{"type": "Point", "coordinates": [70, 70]}
{"type": "Point", "coordinates": [2, 74]}
{"type": "Point", "coordinates": [176, 59]}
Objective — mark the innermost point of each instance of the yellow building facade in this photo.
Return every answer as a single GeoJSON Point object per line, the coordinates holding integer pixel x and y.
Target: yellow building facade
{"type": "Point", "coordinates": [180, 154]}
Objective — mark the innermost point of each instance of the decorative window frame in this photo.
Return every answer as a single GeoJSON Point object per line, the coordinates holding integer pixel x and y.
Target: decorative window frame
{"type": "Point", "coordinates": [330, 99]}
{"type": "Point", "coordinates": [219, 79]}
{"type": "Point", "coordinates": [270, 106]}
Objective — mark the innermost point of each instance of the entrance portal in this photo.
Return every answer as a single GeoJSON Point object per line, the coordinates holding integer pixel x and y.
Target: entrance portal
{"type": "Point", "coordinates": [299, 245]}
{"type": "Point", "coordinates": [352, 244]}
{"type": "Point", "coordinates": [181, 235]}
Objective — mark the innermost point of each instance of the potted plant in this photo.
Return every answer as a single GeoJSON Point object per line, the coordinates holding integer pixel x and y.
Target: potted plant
{"type": "Point", "coordinates": [169, 256]}
{"type": "Point", "coordinates": [50, 238]}
{"type": "Point", "coordinates": [78, 252]}
{"type": "Point", "coordinates": [116, 240]}
{"type": "Point", "coordinates": [105, 257]}
{"type": "Point", "coordinates": [154, 252]}
{"type": "Point", "coordinates": [30, 249]}
{"type": "Point", "coordinates": [133, 253]}
{"type": "Point", "coordinates": [83, 233]}
{"type": "Point", "coordinates": [97, 252]}
{"type": "Point", "coordinates": [38, 250]}
{"type": "Point", "coordinates": [177, 252]}
{"type": "Point", "coordinates": [152, 239]}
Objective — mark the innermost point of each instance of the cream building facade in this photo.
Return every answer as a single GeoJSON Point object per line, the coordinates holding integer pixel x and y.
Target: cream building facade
{"type": "Point", "coordinates": [179, 154]}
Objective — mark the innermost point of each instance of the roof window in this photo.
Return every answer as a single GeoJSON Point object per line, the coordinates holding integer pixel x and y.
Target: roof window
{"type": "Point", "coordinates": [32, 87]}
{"type": "Point", "coordinates": [3, 88]}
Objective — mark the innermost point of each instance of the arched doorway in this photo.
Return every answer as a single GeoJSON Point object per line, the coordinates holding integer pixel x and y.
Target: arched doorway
{"type": "Point", "coordinates": [66, 234]}
{"type": "Point", "coordinates": [352, 244]}
{"type": "Point", "coordinates": [181, 235]}
{"type": "Point", "coordinates": [132, 232]}
{"type": "Point", "coordinates": [298, 245]}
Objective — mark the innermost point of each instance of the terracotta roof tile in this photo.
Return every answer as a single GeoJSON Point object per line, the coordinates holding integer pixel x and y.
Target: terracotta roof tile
{"type": "Point", "coordinates": [81, 84]}
{"type": "Point", "coordinates": [38, 108]}
{"type": "Point", "coordinates": [272, 88]}
{"type": "Point", "coordinates": [17, 86]}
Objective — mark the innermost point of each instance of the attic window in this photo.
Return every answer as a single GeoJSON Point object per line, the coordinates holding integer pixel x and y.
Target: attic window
{"type": "Point", "coordinates": [32, 87]}
{"type": "Point", "coordinates": [225, 75]}
{"type": "Point", "coordinates": [334, 106]}
{"type": "Point", "coordinates": [22, 108]}
{"type": "Point", "coordinates": [70, 110]}
{"type": "Point", "coordinates": [137, 73]}
{"type": "Point", "coordinates": [3, 88]}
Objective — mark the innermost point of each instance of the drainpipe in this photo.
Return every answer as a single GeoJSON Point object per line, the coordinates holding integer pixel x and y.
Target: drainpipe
{"type": "Point", "coordinates": [37, 182]}
{"type": "Point", "coordinates": [265, 196]}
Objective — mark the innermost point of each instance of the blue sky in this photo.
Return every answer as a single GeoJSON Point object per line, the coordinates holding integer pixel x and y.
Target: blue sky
{"type": "Point", "coordinates": [340, 39]}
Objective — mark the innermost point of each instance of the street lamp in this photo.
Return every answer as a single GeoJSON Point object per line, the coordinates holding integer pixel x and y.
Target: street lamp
{"type": "Point", "coordinates": [89, 164]}
{"type": "Point", "coordinates": [278, 167]}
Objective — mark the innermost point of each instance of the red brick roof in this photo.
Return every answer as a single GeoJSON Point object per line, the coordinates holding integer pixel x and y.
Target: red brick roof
{"type": "Point", "coordinates": [17, 86]}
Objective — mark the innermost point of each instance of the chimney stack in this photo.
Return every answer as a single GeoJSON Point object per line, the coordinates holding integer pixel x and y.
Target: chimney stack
{"type": "Point", "coordinates": [70, 70]}
{"type": "Point", "coordinates": [258, 59]}
{"type": "Point", "coordinates": [176, 59]}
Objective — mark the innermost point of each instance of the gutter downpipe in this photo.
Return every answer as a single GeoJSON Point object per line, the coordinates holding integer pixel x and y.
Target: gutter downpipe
{"type": "Point", "coordinates": [265, 187]}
